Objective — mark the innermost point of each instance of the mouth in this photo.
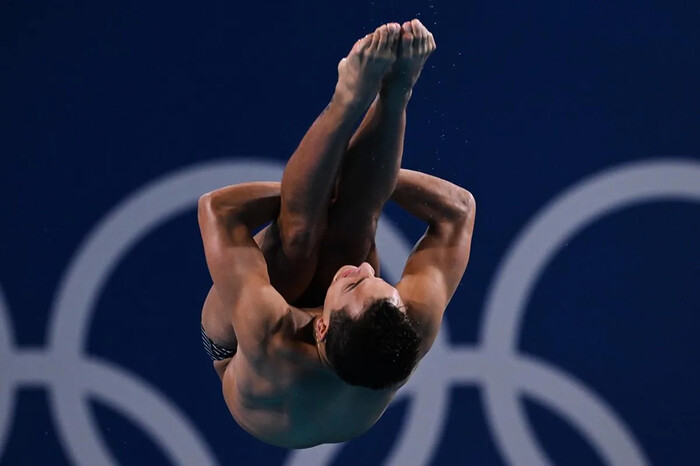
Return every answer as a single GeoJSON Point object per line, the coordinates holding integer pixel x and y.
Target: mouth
{"type": "Point", "coordinates": [344, 273]}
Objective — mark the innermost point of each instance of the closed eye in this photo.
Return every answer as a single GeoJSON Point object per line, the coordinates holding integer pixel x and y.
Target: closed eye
{"type": "Point", "coordinates": [354, 285]}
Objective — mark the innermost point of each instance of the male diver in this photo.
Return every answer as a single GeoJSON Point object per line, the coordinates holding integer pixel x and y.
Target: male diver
{"type": "Point", "coordinates": [310, 344]}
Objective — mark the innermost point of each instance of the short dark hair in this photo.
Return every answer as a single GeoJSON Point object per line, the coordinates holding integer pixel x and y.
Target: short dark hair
{"type": "Point", "coordinates": [377, 350]}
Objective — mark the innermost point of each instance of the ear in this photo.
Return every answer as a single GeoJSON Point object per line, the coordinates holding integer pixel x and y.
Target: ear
{"type": "Point", "coordinates": [321, 329]}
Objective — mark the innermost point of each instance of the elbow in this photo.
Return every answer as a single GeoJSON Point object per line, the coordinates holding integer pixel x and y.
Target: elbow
{"type": "Point", "coordinates": [203, 209]}
{"type": "Point", "coordinates": [204, 200]}
{"type": "Point", "coordinates": [209, 206]}
{"type": "Point", "coordinates": [204, 205]}
{"type": "Point", "coordinates": [211, 203]}
{"type": "Point", "coordinates": [465, 205]}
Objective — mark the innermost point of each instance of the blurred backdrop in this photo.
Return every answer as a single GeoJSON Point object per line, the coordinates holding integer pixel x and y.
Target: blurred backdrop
{"type": "Point", "coordinates": [573, 338]}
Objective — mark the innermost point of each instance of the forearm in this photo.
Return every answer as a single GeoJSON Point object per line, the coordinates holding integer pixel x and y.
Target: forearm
{"type": "Point", "coordinates": [253, 204]}
{"type": "Point", "coordinates": [431, 199]}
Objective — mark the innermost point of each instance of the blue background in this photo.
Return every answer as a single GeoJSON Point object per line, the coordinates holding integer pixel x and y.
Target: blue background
{"type": "Point", "coordinates": [520, 101]}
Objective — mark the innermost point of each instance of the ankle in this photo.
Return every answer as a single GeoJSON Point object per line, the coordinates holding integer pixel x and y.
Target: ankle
{"type": "Point", "coordinates": [347, 103]}
{"type": "Point", "coordinates": [395, 94]}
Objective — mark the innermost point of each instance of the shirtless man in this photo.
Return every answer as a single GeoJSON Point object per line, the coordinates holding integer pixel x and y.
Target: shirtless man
{"type": "Point", "coordinates": [310, 344]}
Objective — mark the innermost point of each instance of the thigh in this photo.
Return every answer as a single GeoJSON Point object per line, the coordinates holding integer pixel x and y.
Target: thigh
{"type": "Point", "coordinates": [217, 328]}
{"type": "Point", "coordinates": [337, 254]}
{"type": "Point", "coordinates": [350, 231]}
{"type": "Point", "coordinates": [349, 241]}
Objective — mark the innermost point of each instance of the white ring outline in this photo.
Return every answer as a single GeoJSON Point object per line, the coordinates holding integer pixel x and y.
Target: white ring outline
{"type": "Point", "coordinates": [68, 374]}
{"type": "Point", "coordinates": [519, 271]}
{"type": "Point", "coordinates": [492, 356]}
{"type": "Point", "coordinates": [74, 304]}
{"type": "Point", "coordinates": [494, 366]}
{"type": "Point", "coordinates": [7, 395]}
{"type": "Point", "coordinates": [99, 254]}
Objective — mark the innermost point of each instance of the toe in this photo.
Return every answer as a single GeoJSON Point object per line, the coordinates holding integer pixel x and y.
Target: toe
{"type": "Point", "coordinates": [376, 38]}
{"type": "Point", "coordinates": [419, 31]}
{"type": "Point", "coordinates": [407, 33]}
{"type": "Point", "coordinates": [431, 41]}
{"type": "Point", "coordinates": [416, 37]}
{"type": "Point", "coordinates": [383, 36]}
{"type": "Point", "coordinates": [394, 30]}
{"type": "Point", "coordinates": [363, 43]}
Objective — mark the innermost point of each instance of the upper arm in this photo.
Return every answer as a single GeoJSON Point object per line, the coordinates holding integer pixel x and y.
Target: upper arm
{"type": "Point", "coordinates": [239, 272]}
{"type": "Point", "coordinates": [435, 268]}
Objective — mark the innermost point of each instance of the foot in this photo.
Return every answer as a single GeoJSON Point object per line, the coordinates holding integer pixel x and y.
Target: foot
{"type": "Point", "coordinates": [415, 46]}
{"type": "Point", "coordinates": [360, 74]}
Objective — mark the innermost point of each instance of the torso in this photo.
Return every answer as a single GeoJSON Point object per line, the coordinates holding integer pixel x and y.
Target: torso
{"type": "Point", "coordinates": [290, 398]}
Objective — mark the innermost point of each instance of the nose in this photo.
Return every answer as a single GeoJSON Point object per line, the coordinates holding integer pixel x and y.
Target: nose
{"type": "Point", "coordinates": [365, 268]}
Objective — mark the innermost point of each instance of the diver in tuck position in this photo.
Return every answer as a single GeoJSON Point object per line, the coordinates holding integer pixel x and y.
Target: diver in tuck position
{"type": "Point", "coordinates": [310, 344]}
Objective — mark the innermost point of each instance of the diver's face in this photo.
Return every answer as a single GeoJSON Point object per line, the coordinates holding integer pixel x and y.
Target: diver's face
{"type": "Point", "coordinates": [353, 287]}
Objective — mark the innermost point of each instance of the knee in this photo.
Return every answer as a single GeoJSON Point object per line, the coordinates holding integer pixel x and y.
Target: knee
{"type": "Point", "coordinates": [300, 241]}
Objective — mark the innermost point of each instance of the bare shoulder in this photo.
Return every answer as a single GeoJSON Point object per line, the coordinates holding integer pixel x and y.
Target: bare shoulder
{"type": "Point", "coordinates": [256, 300]}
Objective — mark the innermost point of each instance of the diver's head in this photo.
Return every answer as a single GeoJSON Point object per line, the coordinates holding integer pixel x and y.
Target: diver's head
{"type": "Point", "coordinates": [365, 333]}
{"type": "Point", "coordinates": [352, 287]}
